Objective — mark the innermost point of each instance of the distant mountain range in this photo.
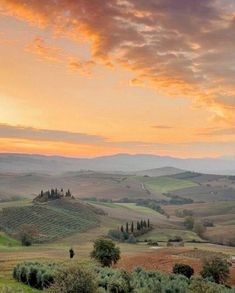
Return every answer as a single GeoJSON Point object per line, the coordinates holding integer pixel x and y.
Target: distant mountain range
{"type": "Point", "coordinates": [19, 163]}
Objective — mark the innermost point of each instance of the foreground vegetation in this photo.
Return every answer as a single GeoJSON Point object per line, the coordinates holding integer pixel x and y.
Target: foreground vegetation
{"type": "Point", "coordinates": [91, 278]}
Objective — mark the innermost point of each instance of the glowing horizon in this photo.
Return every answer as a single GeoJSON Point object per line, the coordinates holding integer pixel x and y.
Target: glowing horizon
{"type": "Point", "coordinates": [91, 78]}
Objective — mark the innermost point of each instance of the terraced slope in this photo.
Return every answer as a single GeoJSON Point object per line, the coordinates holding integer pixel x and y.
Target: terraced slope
{"type": "Point", "coordinates": [54, 220]}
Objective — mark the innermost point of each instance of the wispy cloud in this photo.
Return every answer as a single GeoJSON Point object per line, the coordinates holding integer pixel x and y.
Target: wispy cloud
{"type": "Point", "coordinates": [50, 53]}
{"type": "Point", "coordinates": [162, 127]}
{"type": "Point", "coordinates": [44, 51]}
{"type": "Point", "coordinates": [10, 131]}
{"type": "Point", "coordinates": [224, 131]}
{"type": "Point", "coordinates": [181, 48]}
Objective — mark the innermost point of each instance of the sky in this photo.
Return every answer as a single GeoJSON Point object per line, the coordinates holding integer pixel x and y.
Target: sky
{"type": "Point", "coordinates": [89, 78]}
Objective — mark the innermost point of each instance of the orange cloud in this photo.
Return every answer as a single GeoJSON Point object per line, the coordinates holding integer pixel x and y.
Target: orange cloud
{"type": "Point", "coordinates": [181, 48]}
{"type": "Point", "coordinates": [46, 53]}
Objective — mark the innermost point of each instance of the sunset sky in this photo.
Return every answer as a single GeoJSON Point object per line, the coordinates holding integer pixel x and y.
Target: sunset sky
{"type": "Point", "coordinates": [92, 77]}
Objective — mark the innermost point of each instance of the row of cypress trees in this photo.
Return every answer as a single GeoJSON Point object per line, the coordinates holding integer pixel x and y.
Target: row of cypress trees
{"type": "Point", "coordinates": [140, 225]}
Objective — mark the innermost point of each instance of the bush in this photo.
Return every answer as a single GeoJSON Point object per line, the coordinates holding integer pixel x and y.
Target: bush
{"type": "Point", "coordinates": [199, 285]}
{"type": "Point", "coordinates": [119, 282]}
{"type": "Point", "coordinates": [118, 235]}
{"type": "Point", "coordinates": [215, 269]}
{"type": "Point", "coordinates": [105, 252]}
{"type": "Point", "coordinates": [183, 269]}
{"type": "Point", "coordinates": [36, 275]}
{"type": "Point", "coordinates": [199, 229]}
{"type": "Point", "coordinates": [189, 222]}
{"type": "Point", "coordinates": [74, 279]}
{"type": "Point", "coordinates": [155, 282]}
{"type": "Point", "coordinates": [27, 233]}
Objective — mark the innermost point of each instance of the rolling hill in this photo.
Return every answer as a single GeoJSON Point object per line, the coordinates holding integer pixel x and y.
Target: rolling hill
{"type": "Point", "coordinates": [53, 220]}
{"type": "Point", "coordinates": [116, 163]}
{"type": "Point", "coordinates": [164, 171]}
{"type": "Point", "coordinates": [88, 184]}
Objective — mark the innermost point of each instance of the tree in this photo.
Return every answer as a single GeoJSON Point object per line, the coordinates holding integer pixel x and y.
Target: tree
{"type": "Point", "coordinates": [148, 223]}
{"type": "Point", "coordinates": [127, 228]}
{"type": "Point", "coordinates": [26, 234]}
{"type": "Point", "coordinates": [145, 224]}
{"type": "Point", "coordinates": [122, 229]}
{"type": "Point", "coordinates": [189, 222]}
{"type": "Point", "coordinates": [73, 279]}
{"type": "Point", "coordinates": [183, 269]}
{"type": "Point", "coordinates": [105, 252]}
{"type": "Point", "coordinates": [68, 193]}
{"type": "Point", "coordinates": [132, 227]}
{"type": "Point", "coordinates": [216, 269]}
{"type": "Point", "coordinates": [199, 228]}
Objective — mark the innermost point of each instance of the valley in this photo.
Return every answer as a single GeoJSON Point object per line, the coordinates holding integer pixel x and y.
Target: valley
{"type": "Point", "coordinates": [101, 202]}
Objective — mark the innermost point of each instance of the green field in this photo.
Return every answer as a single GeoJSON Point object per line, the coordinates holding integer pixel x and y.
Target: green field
{"type": "Point", "coordinates": [164, 184]}
{"type": "Point", "coordinates": [159, 234]}
{"type": "Point", "coordinates": [135, 207]}
{"type": "Point", "coordinates": [6, 240]}
{"type": "Point", "coordinates": [6, 285]}
{"type": "Point", "coordinates": [131, 206]}
{"type": "Point", "coordinates": [105, 204]}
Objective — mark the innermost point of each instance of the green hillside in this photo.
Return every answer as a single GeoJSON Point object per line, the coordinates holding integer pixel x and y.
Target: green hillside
{"type": "Point", "coordinates": [54, 219]}
{"type": "Point", "coordinates": [165, 184]}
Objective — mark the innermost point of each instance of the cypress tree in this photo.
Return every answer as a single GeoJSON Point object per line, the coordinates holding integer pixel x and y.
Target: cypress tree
{"type": "Point", "coordinates": [132, 227]}
{"type": "Point", "coordinates": [145, 224]}
{"type": "Point", "coordinates": [148, 223]}
{"type": "Point", "coordinates": [122, 229]}
{"type": "Point", "coordinates": [127, 227]}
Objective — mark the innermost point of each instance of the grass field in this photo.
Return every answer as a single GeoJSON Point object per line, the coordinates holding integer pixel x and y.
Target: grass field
{"type": "Point", "coordinates": [221, 213]}
{"type": "Point", "coordinates": [165, 184]}
{"type": "Point", "coordinates": [6, 240]}
{"type": "Point", "coordinates": [161, 234]}
{"type": "Point", "coordinates": [9, 284]}
{"type": "Point", "coordinates": [205, 209]}
{"type": "Point", "coordinates": [135, 207]}
{"type": "Point", "coordinates": [132, 206]}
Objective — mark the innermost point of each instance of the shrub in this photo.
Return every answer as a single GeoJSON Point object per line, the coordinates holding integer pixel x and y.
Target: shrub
{"type": "Point", "coordinates": [105, 252]}
{"type": "Point", "coordinates": [27, 233]}
{"type": "Point", "coordinates": [36, 275]}
{"type": "Point", "coordinates": [119, 282]}
{"type": "Point", "coordinates": [215, 269]}
{"type": "Point", "coordinates": [155, 282]}
{"type": "Point", "coordinates": [199, 285]}
{"type": "Point", "coordinates": [199, 229]}
{"type": "Point", "coordinates": [183, 269]}
{"type": "Point", "coordinates": [131, 239]}
{"type": "Point", "coordinates": [74, 279]}
{"type": "Point", "coordinates": [189, 222]}
{"type": "Point", "coordinates": [103, 276]}
{"type": "Point", "coordinates": [118, 235]}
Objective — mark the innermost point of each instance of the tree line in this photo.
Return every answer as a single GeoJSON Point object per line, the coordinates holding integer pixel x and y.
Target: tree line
{"type": "Point", "coordinates": [52, 194]}
{"type": "Point", "coordinates": [129, 231]}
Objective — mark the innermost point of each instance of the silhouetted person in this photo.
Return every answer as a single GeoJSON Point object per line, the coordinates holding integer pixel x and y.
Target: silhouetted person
{"type": "Point", "coordinates": [71, 253]}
